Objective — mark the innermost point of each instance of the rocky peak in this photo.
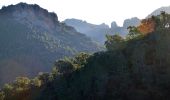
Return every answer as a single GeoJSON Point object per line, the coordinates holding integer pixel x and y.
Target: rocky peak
{"type": "Point", "coordinates": [31, 14]}
{"type": "Point", "coordinates": [28, 8]}
{"type": "Point", "coordinates": [131, 22]}
{"type": "Point", "coordinates": [114, 25]}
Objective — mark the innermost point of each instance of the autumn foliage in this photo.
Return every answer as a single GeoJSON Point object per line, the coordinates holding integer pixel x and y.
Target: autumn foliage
{"type": "Point", "coordinates": [147, 26]}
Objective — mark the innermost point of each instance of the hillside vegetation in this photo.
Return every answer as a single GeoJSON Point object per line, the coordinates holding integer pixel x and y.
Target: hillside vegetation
{"type": "Point", "coordinates": [135, 68]}
{"type": "Point", "coordinates": [31, 39]}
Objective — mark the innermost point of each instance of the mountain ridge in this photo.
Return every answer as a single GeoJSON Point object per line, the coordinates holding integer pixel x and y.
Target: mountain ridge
{"type": "Point", "coordinates": [98, 32]}
{"type": "Point", "coordinates": [31, 39]}
{"type": "Point", "coordinates": [158, 11]}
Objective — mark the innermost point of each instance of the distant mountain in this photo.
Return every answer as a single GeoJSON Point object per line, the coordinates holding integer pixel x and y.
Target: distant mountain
{"type": "Point", "coordinates": [123, 31]}
{"type": "Point", "coordinates": [131, 22]}
{"type": "Point", "coordinates": [31, 39]}
{"type": "Point", "coordinates": [157, 11]}
{"type": "Point", "coordinates": [98, 32]}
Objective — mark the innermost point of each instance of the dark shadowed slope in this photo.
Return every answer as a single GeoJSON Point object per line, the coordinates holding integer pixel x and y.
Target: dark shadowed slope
{"type": "Point", "coordinates": [31, 39]}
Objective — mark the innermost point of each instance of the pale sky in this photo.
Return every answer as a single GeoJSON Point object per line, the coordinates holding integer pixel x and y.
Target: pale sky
{"type": "Point", "coordinates": [97, 11]}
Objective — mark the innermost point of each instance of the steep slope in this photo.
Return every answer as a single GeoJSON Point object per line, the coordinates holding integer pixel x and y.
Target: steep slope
{"type": "Point", "coordinates": [31, 39]}
{"type": "Point", "coordinates": [140, 70]}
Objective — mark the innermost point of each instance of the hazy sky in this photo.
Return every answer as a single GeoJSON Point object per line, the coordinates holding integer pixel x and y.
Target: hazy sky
{"type": "Point", "coordinates": [97, 11]}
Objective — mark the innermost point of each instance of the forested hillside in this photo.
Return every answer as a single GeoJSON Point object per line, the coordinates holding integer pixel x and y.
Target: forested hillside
{"type": "Point", "coordinates": [31, 39]}
{"type": "Point", "coordinates": [132, 68]}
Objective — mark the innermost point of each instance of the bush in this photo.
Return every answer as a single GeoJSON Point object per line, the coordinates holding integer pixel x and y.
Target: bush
{"type": "Point", "coordinates": [2, 96]}
{"type": "Point", "coordinates": [114, 42]}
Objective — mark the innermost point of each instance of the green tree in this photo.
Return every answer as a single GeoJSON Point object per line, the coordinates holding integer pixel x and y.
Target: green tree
{"type": "Point", "coordinates": [114, 42]}
{"type": "Point", "coordinates": [44, 77]}
{"type": "Point", "coordinates": [7, 88]}
{"type": "Point", "coordinates": [22, 82]}
{"type": "Point", "coordinates": [163, 16]}
{"type": "Point", "coordinates": [80, 60]}
{"type": "Point", "coordinates": [36, 82]}
{"type": "Point", "coordinates": [2, 96]}
{"type": "Point", "coordinates": [63, 66]}
{"type": "Point", "coordinates": [133, 33]}
{"type": "Point", "coordinates": [54, 72]}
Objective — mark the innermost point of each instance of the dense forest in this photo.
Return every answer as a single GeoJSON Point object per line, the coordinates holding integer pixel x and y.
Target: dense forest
{"type": "Point", "coordinates": [132, 68]}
